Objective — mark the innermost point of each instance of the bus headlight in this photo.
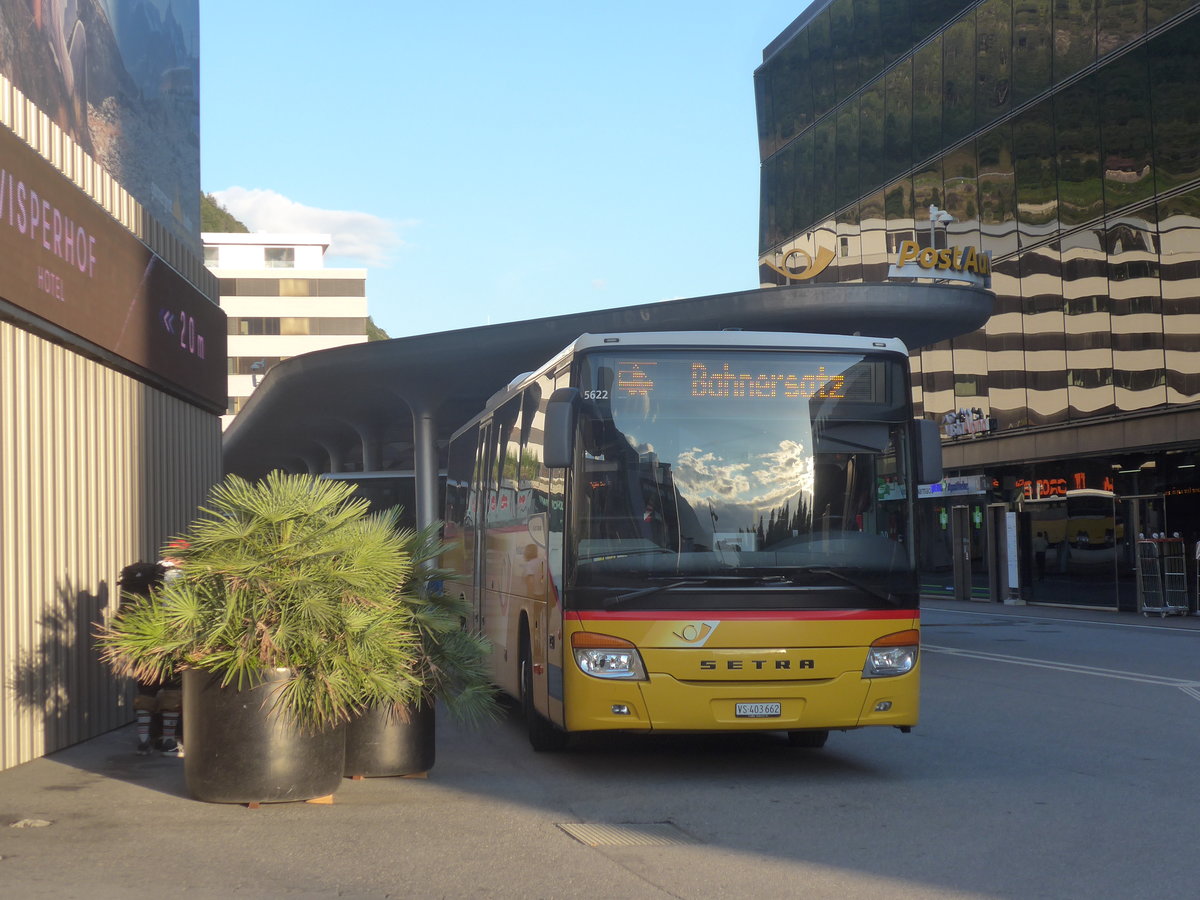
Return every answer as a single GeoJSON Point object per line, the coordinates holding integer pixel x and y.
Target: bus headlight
{"type": "Point", "coordinates": [605, 656]}
{"type": "Point", "coordinates": [893, 654]}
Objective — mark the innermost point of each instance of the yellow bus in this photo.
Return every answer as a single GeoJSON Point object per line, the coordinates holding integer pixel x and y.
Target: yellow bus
{"type": "Point", "coordinates": [697, 532]}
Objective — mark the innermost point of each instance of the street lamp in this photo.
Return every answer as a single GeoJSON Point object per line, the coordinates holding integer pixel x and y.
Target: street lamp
{"type": "Point", "coordinates": [936, 217]}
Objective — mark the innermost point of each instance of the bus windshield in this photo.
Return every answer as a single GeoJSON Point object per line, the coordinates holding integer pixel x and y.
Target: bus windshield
{"type": "Point", "coordinates": [766, 475]}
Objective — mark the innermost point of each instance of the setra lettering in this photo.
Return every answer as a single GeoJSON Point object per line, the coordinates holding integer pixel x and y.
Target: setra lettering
{"type": "Point", "coordinates": [738, 665]}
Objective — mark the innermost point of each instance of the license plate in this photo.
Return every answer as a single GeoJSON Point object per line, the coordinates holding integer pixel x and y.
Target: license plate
{"type": "Point", "coordinates": [756, 710]}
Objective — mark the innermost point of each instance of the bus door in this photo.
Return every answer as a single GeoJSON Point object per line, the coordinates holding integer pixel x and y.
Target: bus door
{"type": "Point", "coordinates": [556, 656]}
{"type": "Point", "coordinates": [479, 501]}
{"type": "Point", "coordinates": [504, 544]}
{"type": "Point", "coordinates": [530, 527]}
{"type": "Point", "coordinates": [494, 564]}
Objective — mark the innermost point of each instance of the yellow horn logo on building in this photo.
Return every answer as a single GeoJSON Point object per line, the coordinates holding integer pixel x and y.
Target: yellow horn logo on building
{"type": "Point", "coordinates": [810, 267]}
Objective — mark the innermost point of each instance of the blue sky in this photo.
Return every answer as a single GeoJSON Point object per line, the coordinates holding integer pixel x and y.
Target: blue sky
{"type": "Point", "coordinates": [495, 162]}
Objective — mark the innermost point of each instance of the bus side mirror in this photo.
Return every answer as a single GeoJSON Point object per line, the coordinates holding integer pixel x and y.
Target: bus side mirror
{"type": "Point", "coordinates": [929, 452]}
{"type": "Point", "coordinates": [562, 415]}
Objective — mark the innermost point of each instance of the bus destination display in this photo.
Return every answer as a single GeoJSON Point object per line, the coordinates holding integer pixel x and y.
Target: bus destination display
{"type": "Point", "coordinates": [853, 380]}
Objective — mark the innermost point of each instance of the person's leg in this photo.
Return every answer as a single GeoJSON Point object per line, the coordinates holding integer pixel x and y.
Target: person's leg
{"type": "Point", "coordinates": [170, 704]}
{"type": "Point", "coordinates": [144, 705]}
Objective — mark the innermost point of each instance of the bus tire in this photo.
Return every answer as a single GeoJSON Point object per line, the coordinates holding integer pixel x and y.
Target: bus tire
{"type": "Point", "coordinates": [544, 735]}
{"type": "Point", "coordinates": [809, 740]}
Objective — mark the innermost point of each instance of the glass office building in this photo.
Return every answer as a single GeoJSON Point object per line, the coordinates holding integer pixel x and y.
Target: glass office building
{"type": "Point", "coordinates": [1062, 138]}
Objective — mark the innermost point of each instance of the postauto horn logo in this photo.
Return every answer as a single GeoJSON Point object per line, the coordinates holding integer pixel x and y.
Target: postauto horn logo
{"type": "Point", "coordinates": [799, 265]}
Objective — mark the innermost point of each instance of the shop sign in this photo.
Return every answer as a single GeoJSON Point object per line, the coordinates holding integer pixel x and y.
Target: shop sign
{"type": "Point", "coordinates": [1052, 488]}
{"type": "Point", "coordinates": [964, 485]}
{"type": "Point", "coordinates": [954, 487]}
{"type": "Point", "coordinates": [1042, 488]}
{"type": "Point", "coordinates": [964, 422]}
{"type": "Point", "coordinates": [949, 263]}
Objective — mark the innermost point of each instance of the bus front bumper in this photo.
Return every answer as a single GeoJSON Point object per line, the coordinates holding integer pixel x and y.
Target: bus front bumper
{"type": "Point", "coordinates": [664, 703]}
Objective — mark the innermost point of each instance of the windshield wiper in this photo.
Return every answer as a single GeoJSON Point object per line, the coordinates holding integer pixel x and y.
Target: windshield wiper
{"type": "Point", "coordinates": [853, 582]}
{"type": "Point", "coordinates": [723, 580]}
{"type": "Point", "coordinates": [748, 579]}
{"type": "Point", "coordinates": [620, 599]}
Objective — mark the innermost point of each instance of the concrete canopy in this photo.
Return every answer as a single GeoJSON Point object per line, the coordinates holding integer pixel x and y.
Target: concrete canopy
{"type": "Point", "coordinates": [392, 405]}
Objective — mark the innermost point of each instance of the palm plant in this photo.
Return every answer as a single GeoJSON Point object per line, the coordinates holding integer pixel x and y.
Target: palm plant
{"type": "Point", "coordinates": [451, 665]}
{"type": "Point", "coordinates": [290, 572]}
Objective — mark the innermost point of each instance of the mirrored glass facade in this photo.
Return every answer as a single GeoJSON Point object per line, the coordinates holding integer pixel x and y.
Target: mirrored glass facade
{"type": "Point", "coordinates": [1063, 137]}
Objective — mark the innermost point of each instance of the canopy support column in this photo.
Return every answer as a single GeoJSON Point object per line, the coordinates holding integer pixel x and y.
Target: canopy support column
{"type": "Point", "coordinates": [372, 448]}
{"type": "Point", "coordinates": [425, 462]}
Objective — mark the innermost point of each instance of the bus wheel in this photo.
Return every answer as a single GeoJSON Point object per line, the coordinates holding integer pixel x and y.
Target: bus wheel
{"type": "Point", "coordinates": [810, 740]}
{"type": "Point", "coordinates": [544, 735]}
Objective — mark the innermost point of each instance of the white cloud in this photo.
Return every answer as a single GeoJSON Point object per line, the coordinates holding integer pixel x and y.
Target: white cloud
{"type": "Point", "coordinates": [357, 237]}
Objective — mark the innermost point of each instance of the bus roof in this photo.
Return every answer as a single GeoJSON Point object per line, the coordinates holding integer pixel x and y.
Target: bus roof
{"type": "Point", "coordinates": [734, 338]}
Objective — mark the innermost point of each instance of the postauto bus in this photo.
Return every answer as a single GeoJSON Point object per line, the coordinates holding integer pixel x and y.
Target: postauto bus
{"type": "Point", "coordinates": [694, 532]}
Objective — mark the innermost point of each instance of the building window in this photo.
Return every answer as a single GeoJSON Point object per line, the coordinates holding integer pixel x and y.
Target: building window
{"type": "Point", "coordinates": [341, 287]}
{"type": "Point", "coordinates": [293, 287]}
{"type": "Point", "coordinates": [212, 256]}
{"type": "Point", "coordinates": [252, 365]}
{"type": "Point", "coordinates": [253, 325]}
{"type": "Point", "coordinates": [330, 325]}
{"type": "Point", "coordinates": [280, 257]}
{"type": "Point", "coordinates": [326, 325]}
{"type": "Point", "coordinates": [968, 386]}
{"type": "Point", "coordinates": [297, 287]}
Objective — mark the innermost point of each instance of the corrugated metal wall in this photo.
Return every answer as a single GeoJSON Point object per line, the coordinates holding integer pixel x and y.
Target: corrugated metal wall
{"type": "Point", "coordinates": [96, 470]}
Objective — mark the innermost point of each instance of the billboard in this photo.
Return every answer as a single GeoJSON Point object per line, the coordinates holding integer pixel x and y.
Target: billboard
{"type": "Point", "coordinates": [65, 259]}
{"type": "Point", "coordinates": [122, 78]}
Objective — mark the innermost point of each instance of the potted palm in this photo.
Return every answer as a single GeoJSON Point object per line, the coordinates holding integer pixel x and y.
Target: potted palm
{"type": "Point", "coordinates": [287, 619]}
{"type": "Point", "coordinates": [450, 666]}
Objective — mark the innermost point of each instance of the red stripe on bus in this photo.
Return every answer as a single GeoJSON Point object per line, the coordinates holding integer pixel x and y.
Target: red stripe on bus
{"type": "Point", "coordinates": [726, 615]}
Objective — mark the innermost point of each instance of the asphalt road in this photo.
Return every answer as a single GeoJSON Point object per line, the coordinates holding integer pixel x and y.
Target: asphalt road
{"type": "Point", "coordinates": [1058, 756]}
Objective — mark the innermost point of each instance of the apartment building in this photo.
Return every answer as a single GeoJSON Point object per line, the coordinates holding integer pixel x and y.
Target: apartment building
{"type": "Point", "coordinates": [281, 301]}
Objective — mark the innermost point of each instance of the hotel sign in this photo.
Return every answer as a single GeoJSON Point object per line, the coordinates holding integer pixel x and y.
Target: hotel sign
{"type": "Point", "coordinates": [66, 260]}
{"type": "Point", "coordinates": [949, 263]}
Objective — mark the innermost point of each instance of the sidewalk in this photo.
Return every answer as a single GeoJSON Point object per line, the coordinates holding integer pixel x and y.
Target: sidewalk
{"type": "Point", "coordinates": [1071, 613]}
{"type": "Point", "coordinates": [98, 822]}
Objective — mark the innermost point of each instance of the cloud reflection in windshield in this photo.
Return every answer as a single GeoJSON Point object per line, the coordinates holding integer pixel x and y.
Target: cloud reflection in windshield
{"type": "Point", "coordinates": [744, 490]}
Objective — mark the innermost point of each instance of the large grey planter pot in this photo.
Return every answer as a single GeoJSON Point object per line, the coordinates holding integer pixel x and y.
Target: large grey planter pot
{"type": "Point", "coordinates": [380, 742]}
{"type": "Point", "coordinates": [239, 750]}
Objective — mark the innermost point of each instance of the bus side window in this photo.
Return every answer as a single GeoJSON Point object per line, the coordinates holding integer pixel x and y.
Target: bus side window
{"type": "Point", "coordinates": [535, 477]}
{"type": "Point", "coordinates": [502, 476]}
{"type": "Point", "coordinates": [461, 497]}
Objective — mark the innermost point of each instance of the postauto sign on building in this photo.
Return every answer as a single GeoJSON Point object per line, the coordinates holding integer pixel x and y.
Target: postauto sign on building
{"type": "Point", "coordinates": [1054, 147]}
